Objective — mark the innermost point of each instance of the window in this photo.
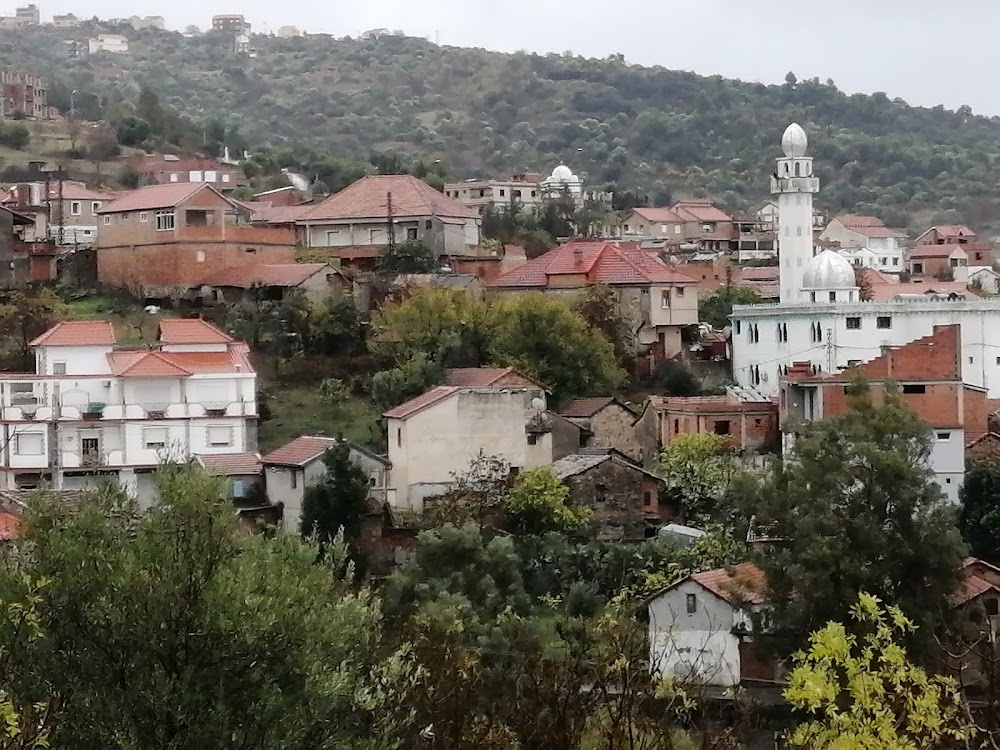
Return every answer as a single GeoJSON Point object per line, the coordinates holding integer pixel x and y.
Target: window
{"type": "Point", "coordinates": [679, 291]}
{"type": "Point", "coordinates": [295, 478]}
{"type": "Point", "coordinates": [944, 436]}
{"type": "Point", "coordinates": [738, 330]}
{"type": "Point", "coordinates": [853, 324]}
{"type": "Point", "coordinates": [883, 321]}
{"type": "Point", "coordinates": [833, 296]}
{"type": "Point", "coordinates": [692, 604]}
{"type": "Point", "coordinates": [164, 221]}
{"type": "Point", "coordinates": [107, 219]}
{"type": "Point", "coordinates": [75, 208]}
{"type": "Point", "coordinates": [250, 250]}
{"type": "Point", "coordinates": [665, 299]}
{"type": "Point", "coordinates": [853, 362]}
{"type": "Point", "coordinates": [502, 192]}
{"type": "Point", "coordinates": [373, 236]}
{"type": "Point", "coordinates": [647, 498]}
{"type": "Point", "coordinates": [225, 177]}
{"type": "Point", "coordinates": [895, 261]}
{"type": "Point", "coordinates": [677, 426]}
{"type": "Point", "coordinates": [58, 368]}
{"type": "Point", "coordinates": [199, 256]}
{"type": "Point", "coordinates": [722, 427]}
{"type": "Point", "coordinates": [918, 268]}
{"type": "Point", "coordinates": [812, 296]}
{"type": "Point", "coordinates": [239, 488]}
{"type": "Point", "coordinates": [914, 388]}
{"type": "Point", "coordinates": [143, 216]}
{"type": "Point", "coordinates": [428, 224]}
{"type": "Point", "coordinates": [517, 193]}
{"type": "Point", "coordinates": [399, 437]}
{"type": "Point", "coordinates": [534, 193]}
{"type": "Point", "coordinates": [220, 437]}
{"type": "Point", "coordinates": [30, 444]}
{"type": "Point", "coordinates": [199, 218]}
{"type": "Point", "coordinates": [154, 438]}
{"type": "Point", "coordinates": [532, 438]}
{"type": "Point", "coordinates": [95, 207]}
{"type": "Point", "coordinates": [411, 233]}
{"type": "Point", "coordinates": [992, 607]}
{"type": "Point", "coordinates": [174, 177]}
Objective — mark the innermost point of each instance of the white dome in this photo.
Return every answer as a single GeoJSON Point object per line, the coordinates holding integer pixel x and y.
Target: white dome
{"type": "Point", "coordinates": [794, 141]}
{"type": "Point", "coordinates": [562, 173]}
{"type": "Point", "coordinates": [828, 270]}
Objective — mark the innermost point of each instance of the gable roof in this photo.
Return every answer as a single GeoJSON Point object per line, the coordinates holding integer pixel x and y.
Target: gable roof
{"type": "Point", "coordinates": [231, 464]}
{"type": "Point", "coordinates": [152, 197]}
{"type": "Point", "coordinates": [869, 226]}
{"type": "Point", "coordinates": [701, 210]}
{"type": "Point", "coordinates": [598, 262]}
{"type": "Point", "coordinates": [161, 364]}
{"type": "Point", "coordinates": [74, 191]}
{"type": "Point", "coordinates": [368, 199]}
{"type": "Point", "coordinates": [584, 408]}
{"type": "Point", "coordinates": [419, 403]}
{"type": "Point", "coordinates": [301, 451]}
{"type": "Point", "coordinates": [583, 461]}
{"type": "Point", "coordinates": [190, 331]}
{"type": "Point", "coordinates": [946, 230]}
{"type": "Point", "coordinates": [145, 365]}
{"type": "Point", "coordinates": [741, 583]}
{"type": "Point", "coordinates": [485, 377]}
{"type": "Point", "coordinates": [658, 215]}
{"type": "Point", "coordinates": [940, 251]}
{"type": "Point", "coordinates": [78, 333]}
{"type": "Point", "coordinates": [277, 274]}
{"type": "Point", "coordinates": [280, 214]}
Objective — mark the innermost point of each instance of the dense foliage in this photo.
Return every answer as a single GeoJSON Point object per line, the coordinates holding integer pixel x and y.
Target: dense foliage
{"type": "Point", "coordinates": [485, 112]}
{"type": "Point", "coordinates": [980, 515]}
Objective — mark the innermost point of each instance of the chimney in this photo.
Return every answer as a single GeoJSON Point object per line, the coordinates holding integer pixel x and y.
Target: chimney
{"type": "Point", "coordinates": [577, 254]}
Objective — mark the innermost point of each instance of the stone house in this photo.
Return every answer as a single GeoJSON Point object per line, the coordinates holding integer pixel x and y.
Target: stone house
{"type": "Point", "coordinates": [659, 300]}
{"type": "Point", "coordinates": [609, 424]}
{"type": "Point", "coordinates": [628, 502]}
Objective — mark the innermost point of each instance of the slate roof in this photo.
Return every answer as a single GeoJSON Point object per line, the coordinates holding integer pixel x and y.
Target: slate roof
{"type": "Point", "coordinates": [367, 199]}
{"type": "Point", "coordinates": [78, 333]}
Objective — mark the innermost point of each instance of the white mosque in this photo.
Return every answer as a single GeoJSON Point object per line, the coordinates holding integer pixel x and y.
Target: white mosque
{"type": "Point", "coordinates": [821, 317]}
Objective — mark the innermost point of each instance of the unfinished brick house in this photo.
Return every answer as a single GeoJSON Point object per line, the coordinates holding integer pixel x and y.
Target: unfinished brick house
{"type": "Point", "coordinates": [164, 240]}
{"type": "Point", "coordinates": [928, 372]}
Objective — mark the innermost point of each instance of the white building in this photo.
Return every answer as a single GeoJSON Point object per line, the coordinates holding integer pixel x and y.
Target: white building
{"type": "Point", "coordinates": [436, 436]}
{"type": "Point", "coordinates": [563, 182]}
{"type": "Point", "coordinates": [91, 410]}
{"type": "Point", "coordinates": [821, 319]}
{"type": "Point", "coordinates": [114, 43]}
{"type": "Point", "coordinates": [867, 242]}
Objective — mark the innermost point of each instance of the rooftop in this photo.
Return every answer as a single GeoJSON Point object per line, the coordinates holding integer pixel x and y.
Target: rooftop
{"type": "Point", "coordinates": [280, 274]}
{"type": "Point", "coordinates": [78, 333]}
{"type": "Point", "coordinates": [231, 464]}
{"type": "Point", "coordinates": [702, 210]}
{"type": "Point", "coordinates": [584, 408]}
{"type": "Point", "coordinates": [152, 197]}
{"type": "Point", "coordinates": [408, 408]}
{"type": "Point", "coordinates": [658, 215]}
{"type": "Point", "coordinates": [743, 583]}
{"type": "Point", "coordinates": [368, 199]}
{"type": "Point", "coordinates": [190, 331]}
{"type": "Point", "coordinates": [485, 377]}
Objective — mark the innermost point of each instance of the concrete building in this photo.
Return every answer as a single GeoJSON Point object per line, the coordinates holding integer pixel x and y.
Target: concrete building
{"type": "Point", "coordinates": [524, 189]}
{"type": "Point", "coordinates": [26, 15]}
{"type": "Point", "coordinates": [169, 168]}
{"type": "Point", "coordinates": [25, 93]}
{"type": "Point", "coordinates": [64, 212]}
{"type": "Point", "coordinates": [231, 23]}
{"type": "Point", "coordinates": [822, 319]}
{"type": "Point", "coordinates": [115, 44]}
{"type": "Point", "coordinates": [290, 469]}
{"type": "Point", "coordinates": [868, 240]}
{"type": "Point", "coordinates": [436, 435]}
{"type": "Point", "coordinates": [653, 224]}
{"type": "Point", "coordinates": [929, 374]}
{"type": "Point", "coordinates": [706, 226]}
{"type": "Point", "coordinates": [91, 411]}
{"type": "Point", "coordinates": [164, 240]}
{"type": "Point", "coordinates": [65, 20]}
{"type": "Point", "coordinates": [660, 299]}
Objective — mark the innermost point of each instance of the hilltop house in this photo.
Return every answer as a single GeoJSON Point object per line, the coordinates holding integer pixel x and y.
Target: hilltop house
{"type": "Point", "coordinates": [164, 240]}
{"type": "Point", "coordinates": [170, 169]}
{"type": "Point", "coordinates": [354, 224]}
{"type": "Point", "coordinates": [660, 299]}
{"type": "Point", "coordinates": [92, 411]}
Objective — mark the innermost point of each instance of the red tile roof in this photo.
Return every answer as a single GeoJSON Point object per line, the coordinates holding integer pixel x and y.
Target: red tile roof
{"type": "Point", "coordinates": [485, 377]}
{"type": "Point", "coordinates": [938, 251]}
{"type": "Point", "coordinates": [658, 215]}
{"type": "Point", "coordinates": [598, 262]}
{"type": "Point", "coordinates": [145, 365]}
{"type": "Point", "coordinates": [743, 583]}
{"type": "Point", "coordinates": [701, 210]}
{"type": "Point", "coordinates": [156, 196]}
{"type": "Point", "coordinates": [583, 408]}
{"type": "Point", "coordinates": [758, 273]}
{"type": "Point", "coordinates": [408, 408]}
{"type": "Point", "coordinates": [367, 199]}
{"type": "Point", "coordinates": [945, 230]}
{"type": "Point", "coordinates": [160, 364]}
{"type": "Point", "coordinates": [190, 331]}
{"type": "Point", "coordinates": [78, 333]}
{"type": "Point", "coordinates": [73, 191]}
{"type": "Point", "coordinates": [281, 214]}
{"type": "Point", "coordinates": [869, 226]}
{"type": "Point", "coordinates": [10, 526]}
{"type": "Point", "coordinates": [231, 464]}
{"type": "Point", "coordinates": [873, 276]}
{"type": "Point", "coordinates": [300, 451]}
{"type": "Point", "coordinates": [280, 274]}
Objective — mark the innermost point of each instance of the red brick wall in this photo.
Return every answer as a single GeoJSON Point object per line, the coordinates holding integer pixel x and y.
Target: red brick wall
{"type": "Point", "coordinates": [939, 406]}
{"type": "Point", "coordinates": [747, 429]}
{"type": "Point", "coordinates": [977, 413]}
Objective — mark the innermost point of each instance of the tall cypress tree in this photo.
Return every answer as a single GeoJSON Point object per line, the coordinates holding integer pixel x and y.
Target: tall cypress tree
{"type": "Point", "coordinates": [338, 501]}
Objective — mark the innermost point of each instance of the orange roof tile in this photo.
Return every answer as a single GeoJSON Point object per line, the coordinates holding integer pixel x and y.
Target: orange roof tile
{"type": "Point", "coordinates": [701, 210]}
{"type": "Point", "coordinates": [146, 365]}
{"type": "Point", "coordinates": [484, 377]}
{"type": "Point", "coordinates": [10, 526]}
{"type": "Point", "coordinates": [78, 333]}
{"type": "Point", "coordinates": [74, 191]}
{"type": "Point", "coordinates": [598, 262]}
{"type": "Point", "coordinates": [742, 583]}
{"type": "Point", "coordinates": [279, 274]}
{"type": "Point", "coordinates": [161, 364]}
{"type": "Point", "coordinates": [281, 214]}
{"type": "Point", "coordinates": [156, 196]}
{"type": "Point", "coordinates": [300, 451]}
{"type": "Point", "coordinates": [231, 464]}
{"type": "Point", "coordinates": [190, 331]}
{"type": "Point", "coordinates": [408, 408]}
{"type": "Point", "coordinates": [658, 215]}
{"type": "Point", "coordinates": [367, 199]}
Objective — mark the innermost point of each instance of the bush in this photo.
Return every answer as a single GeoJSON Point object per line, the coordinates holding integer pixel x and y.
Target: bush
{"type": "Point", "coordinates": [14, 134]}
{"type": "Point", "coordinates": [676, 378]}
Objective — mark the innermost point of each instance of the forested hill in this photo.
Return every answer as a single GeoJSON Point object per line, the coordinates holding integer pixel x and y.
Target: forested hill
{"type": "Point", "coordinates": [483, 112]}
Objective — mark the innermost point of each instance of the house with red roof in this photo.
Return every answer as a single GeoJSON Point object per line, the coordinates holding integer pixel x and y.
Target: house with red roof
{"type": "Point", "coordinates": [164, 240]}
{"type": "Point", "coordinates": [706, 225]}
{"type": "Point", "coordinates": [93, 410]}
{"type": "Point", "coordinates": [273, 281]}
{"type": "Point", "coordinates": [66, 214]}
{"type": "Point", "coordinates": [661, 298]}
{"type": "Point", "coordinates": [380, 210]}
{"type": "Point", "coordinates": [435, 436]}
{"type": "Point", "coordinates": [647, 223]}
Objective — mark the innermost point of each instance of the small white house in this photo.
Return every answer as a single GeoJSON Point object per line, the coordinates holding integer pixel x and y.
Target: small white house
{"type": "Point", "coordinates": [699, 628]}
{"type": "Point", "coordinates": [113, 43]}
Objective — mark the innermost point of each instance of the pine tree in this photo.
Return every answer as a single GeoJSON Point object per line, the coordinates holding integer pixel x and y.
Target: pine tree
{"type": "Point", "coordinates": [338, 501]}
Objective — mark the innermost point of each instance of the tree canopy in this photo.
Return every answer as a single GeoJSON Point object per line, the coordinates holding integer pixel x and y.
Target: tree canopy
{"type": "Point", "coordinates": [979, 517]}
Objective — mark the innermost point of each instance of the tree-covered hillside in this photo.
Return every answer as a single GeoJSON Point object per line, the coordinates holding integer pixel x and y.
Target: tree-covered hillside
{"type": "Point", "coordinates": [481, 112]}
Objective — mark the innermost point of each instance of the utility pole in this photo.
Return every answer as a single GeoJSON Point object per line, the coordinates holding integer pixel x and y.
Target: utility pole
{"type": "Point", "coordinates": [391, 221]}
{"type": "Point", "coordinates": [62, 207]}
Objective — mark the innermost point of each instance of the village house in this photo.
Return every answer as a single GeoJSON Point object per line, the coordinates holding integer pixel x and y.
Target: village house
{"type": "Point", "coordinates": [92, 411]}
{"type": "Point", "coordinates": [164, 240]}
{"type": "Point", "coordinates": [609, 424]}
{"type": "Point", "coordinates": [26, 93]}
{"type": "Point", "coordinates": [978, 254]}
{"type": "Point", "coordinates": [244, 475]}
{"type": "Point", "coordinates": [490, 377]}
{"type": "Point", "coordinates": [436, 435]}
{"type": "Point", "coordinates": [748, 420]}
{"type": "Point", "coordinates": [116, 44]}
{"type": "Point", "coordinates": [853, 232]}
{"type": "Point", "coordinates": [292, 468]}
{"type": "Point", "coordinates": [354, 224]}
{"type": "Point", "coordinates": [754, 239]}
{"type": "Point", "coordinates": [21, 261]}
{"type": "Point", "coordinates": [929, 373]}
{"type": "Point", "coordinates": [272, 282]}
{"type": "Point", "coordinates": [523, 189]}
{"type": "Point", "coordinates": [64, 211]}
{"type": "Point", "coordinates": [628, 502]}
{"type": "Point", "coordinates": [659, 299]}
{"type": "Point", "coordinates": [169, 168]}
{"type": "Point", "coordinates": [706, 225]}
{"type": "Point", "coordinates": [652, 224]}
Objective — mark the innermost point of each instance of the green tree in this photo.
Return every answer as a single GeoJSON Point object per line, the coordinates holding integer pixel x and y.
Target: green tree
{"type": "Point", "coordinates": [338, 326]}
{"type": "Point", "coordinates": [285, 327]}
{"type": "Point", "coordinates": [676, 378]}
{"type": "Point", "coordinates": [411, 256]}
{"type": "Point", "coordinates": [338, 502]}
{"type": "Point", "coordinates": [398, 384]}
{"type": "Point", "coordinates": [979, 518]}
{"type": "Point", "coordinates": [599, 307]}
{"type": "Point", "coordinates": [857, 482]}
{"type": "Point", "coordinates": [26, 314]}
{"type": "Point", "coordinates": [698, 470]}
{"type": "Point", "coordinates": [539, 502]}
{"type": "Point", "coordinates": [133, 131]}
{"type": "Point", "coordinates": [171, 629]}
{"type": "Point", "coordinates": [863, 692]}
{"type": "Point", "coordinates": [716, 308]}
{"type": "Point", "coordinates": [14, 134]}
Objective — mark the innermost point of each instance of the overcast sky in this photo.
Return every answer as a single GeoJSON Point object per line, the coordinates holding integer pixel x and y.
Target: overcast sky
{"type": "Point", "coordinates": [925, 51]}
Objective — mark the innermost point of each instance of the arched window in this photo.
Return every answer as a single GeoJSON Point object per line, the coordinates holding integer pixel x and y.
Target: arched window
{"type": "Point", "coordinates": [797, 170]}
{"type": "Point", "coordinates": [787, 169]}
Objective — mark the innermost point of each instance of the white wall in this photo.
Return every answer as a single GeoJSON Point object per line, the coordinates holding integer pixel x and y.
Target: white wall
{"type": "Point", "coordinates": [80, 360]}
{"type": "Point", "coordinates": [947, 460]}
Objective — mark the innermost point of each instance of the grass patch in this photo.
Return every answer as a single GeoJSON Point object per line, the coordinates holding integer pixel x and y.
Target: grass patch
{"type": "Point", "coordinates": [134, 327]}
{"type": "Point", "coordinates": [302, 411]}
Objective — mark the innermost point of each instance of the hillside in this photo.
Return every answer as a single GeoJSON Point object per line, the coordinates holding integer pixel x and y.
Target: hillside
{"type": "Point", "coordinates": [482, 112]}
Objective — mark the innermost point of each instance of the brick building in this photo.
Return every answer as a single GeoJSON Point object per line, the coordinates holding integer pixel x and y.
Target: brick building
{"type": "Point", "coordinates": [946, 248]}
{"type": "Point", "coordinates": [168, 168]}
{"type": "Point", "coordinates": [928, 372]}
{"type": "Point", "coordinates": [164, 240]}
{"type": "Point", "coordinates": [27, 93]}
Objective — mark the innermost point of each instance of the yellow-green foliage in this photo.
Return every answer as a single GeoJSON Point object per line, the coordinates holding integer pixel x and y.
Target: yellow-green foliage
{"type": "Point", "coordinates": [538, 503]}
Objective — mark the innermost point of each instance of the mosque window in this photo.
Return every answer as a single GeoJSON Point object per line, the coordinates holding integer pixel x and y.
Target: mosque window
{"type": "Point", "coordinates": [883, 321]}
{"type": "Point", "coordinates": [833, 296]}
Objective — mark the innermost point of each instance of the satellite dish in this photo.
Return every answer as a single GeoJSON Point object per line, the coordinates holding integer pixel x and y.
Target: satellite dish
{"type": "Point", "coordinates": [538, 404]}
